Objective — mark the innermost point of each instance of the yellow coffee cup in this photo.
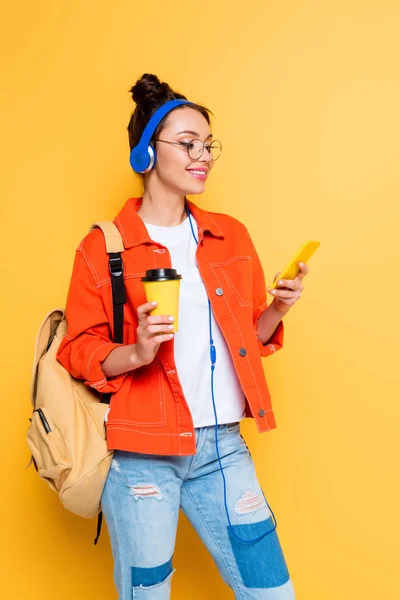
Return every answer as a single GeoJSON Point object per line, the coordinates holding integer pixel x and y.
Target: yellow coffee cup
{"type": "Point", "coordinates": [162, 286]}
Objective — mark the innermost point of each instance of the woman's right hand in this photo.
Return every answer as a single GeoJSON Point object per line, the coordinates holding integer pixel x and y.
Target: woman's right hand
{"type": "Point", "coordinates": [151, 333]}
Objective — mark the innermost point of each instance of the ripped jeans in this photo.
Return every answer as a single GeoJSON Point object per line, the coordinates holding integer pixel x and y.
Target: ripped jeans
{"type": "Point", "coordinates": [141, 501]}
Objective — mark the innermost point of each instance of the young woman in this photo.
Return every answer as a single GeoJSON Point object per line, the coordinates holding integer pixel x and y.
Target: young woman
{"type": "Point", "coordinates": [174, 422]}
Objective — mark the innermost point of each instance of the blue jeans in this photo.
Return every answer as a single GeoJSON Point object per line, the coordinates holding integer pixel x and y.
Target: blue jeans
{"type": "Point", "coordinates": [141, 501]}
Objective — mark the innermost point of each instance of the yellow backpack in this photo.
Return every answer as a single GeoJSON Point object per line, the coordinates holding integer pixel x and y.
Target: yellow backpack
{"type": "Point", "coordinates": [67, 435]}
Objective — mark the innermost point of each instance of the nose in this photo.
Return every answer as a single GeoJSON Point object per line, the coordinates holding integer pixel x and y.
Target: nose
{"type": "Point", "coordinates": [206, 156]}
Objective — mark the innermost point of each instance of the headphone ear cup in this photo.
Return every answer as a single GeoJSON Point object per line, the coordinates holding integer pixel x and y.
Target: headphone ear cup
{"type": "Point", "coordinates": [140, 159]}
{"type": "Point", "coordinates": [143, 156]}
{"type": "Point", "coordinates": [152, 158]}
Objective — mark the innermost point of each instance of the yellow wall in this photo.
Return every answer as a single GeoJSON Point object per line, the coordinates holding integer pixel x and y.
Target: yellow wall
{"type": "Point", "coordinates": [306, 97]}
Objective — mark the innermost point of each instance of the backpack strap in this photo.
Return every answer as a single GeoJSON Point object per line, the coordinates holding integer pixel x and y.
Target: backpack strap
{"type": "Point", "coordinates": [114, 248]}
{"type": "Point", "coordinates": [112, 235]}
{"type": "Point", "coordinates": [44, 338]}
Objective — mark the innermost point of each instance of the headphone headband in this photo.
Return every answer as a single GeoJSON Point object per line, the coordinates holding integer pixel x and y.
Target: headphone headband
{"type": "Point", "coordinates": [142, 156]}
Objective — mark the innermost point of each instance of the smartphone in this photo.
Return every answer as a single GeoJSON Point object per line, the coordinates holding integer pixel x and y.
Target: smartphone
{"type": "Point", "coordinates": [302, 255]}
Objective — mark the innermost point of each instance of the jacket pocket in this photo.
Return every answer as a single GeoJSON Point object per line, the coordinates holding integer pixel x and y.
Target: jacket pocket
{"type": "Point", "coordinates": [237, 275]}
{"type": "Point", "coordinates": [147, 406]}
{"type": "Point", "coordinates": [48, 449]}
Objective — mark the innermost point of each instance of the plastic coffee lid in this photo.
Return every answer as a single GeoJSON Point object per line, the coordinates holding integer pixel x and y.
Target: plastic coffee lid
{"type": "Point", "coordinates": [161, 275]}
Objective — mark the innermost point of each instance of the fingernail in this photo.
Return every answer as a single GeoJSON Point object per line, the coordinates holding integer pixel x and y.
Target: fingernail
{"type": "Point", "coordinates": [171, 318]}
{"type": "Point", "coordinates": [153, 303]}
{"type": "Point", "coordinates": [280, 282]}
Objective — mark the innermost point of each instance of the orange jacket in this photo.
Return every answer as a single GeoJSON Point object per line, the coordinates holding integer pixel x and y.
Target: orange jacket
{"type": "Point", "coordinates": [148, 410]}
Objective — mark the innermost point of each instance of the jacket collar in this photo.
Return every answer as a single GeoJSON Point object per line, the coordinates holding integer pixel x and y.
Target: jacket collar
{"type": "Point", "coordinates": [134, 232]}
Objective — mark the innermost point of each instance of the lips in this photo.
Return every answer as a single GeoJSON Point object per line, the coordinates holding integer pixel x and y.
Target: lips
{"type": "Point", "coordinates": [198, 173]}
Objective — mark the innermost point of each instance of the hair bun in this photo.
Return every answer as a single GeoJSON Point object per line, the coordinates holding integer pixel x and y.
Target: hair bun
{"type": "Point", "coordinates": [149, 91]}
{"type": "Point", "coordinates": [149, 94]}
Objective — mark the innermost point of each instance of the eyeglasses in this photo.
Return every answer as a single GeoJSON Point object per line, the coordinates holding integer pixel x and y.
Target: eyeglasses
{"type": "Point", "coordinates": [195, 148]}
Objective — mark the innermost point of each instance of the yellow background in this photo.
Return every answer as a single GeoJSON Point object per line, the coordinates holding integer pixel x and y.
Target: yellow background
{"type": "Point", "coordinates": [306, 97]}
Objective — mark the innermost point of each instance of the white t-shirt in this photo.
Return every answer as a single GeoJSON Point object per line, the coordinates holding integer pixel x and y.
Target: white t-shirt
{"type": "Point", "coordinates": [192, 340]}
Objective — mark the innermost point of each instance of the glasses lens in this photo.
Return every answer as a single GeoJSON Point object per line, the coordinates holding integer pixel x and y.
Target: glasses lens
{"type": "Point", "coordinates": [215, 149]}
{"type": "Point", "coordinates": [195, 150]}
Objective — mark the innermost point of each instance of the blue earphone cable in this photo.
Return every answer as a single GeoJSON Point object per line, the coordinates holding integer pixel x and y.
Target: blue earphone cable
{"type": "Point", "coordinates": [213, 359]}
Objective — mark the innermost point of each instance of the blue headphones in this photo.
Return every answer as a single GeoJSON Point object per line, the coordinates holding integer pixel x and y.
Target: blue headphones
{"type": "Point", "coordinates": [143, 156]}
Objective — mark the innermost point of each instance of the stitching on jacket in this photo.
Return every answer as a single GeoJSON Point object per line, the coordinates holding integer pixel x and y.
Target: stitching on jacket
{"type": "Point", "coordinates": [216, 226]}
{"type": "Point", "coordinates": [131, 276]}
{"type": "Point", "coordinates": [259, 311]}
{"type": "Point", "coordinates": [153, 256]}
{"type": "Point", "coordinates": [127, 422]}
{"type": "Point", "coordinates": [103, 382]}
{"type": "Point", "coordinates": [90, 265]}
{"type": "Point", "coordinates": [104, 282]}
{"type": "Point", "coordinates": [137, 243]}
{"type": "Point", "coordinates": [100, 383]}
{"type": "Point", "coordinates": [241, 337]}
{"type": "Point", "coordinates": [228, 279]}
{"type": "Point", "coordinates": [235, 291]}
{"type": "Point", "coordinates": [122, 230]}
{"type": "Point", "coordinates": [259, 341]}
{"type": "Point", "coordinates": [261, 308]}
{"type": "Point", "coordinates": [163, 413]}
{"type": "Point", "coordinates": [257, 315]}
{"type": "Point", "coordinates": [89, 361]}
{"type": "Point", "coordinates": [248, 362]}
{"type": "Point", "coordinates": [232, 259]}
{"type": "Point", "coordinates": [179, 427]}
{"type": "Point", "coordinates": [110, 425]}
{"type": "Point", "coordinates": [126, 239]}
{"type": "Point", "coordinates": [79, 248]}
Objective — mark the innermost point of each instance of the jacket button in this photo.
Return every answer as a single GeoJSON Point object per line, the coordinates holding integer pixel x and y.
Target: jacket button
{"type": "Point", "coordinates": [261, 412]}
{"type": "Point", "coordinates": [219, 291]}
{"type": "Point", "coordinates": [242, 352]}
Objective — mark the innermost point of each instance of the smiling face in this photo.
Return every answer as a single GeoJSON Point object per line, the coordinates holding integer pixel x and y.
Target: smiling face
{"type": "Point", "coordinates": [174, 169]}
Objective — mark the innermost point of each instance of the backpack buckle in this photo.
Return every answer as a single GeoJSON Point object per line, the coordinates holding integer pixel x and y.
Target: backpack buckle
{"type": "Point", "coordinates": [115, 266]}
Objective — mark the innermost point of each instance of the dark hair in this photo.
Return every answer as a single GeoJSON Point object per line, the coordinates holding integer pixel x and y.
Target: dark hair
{"type": "Point", "coordinates": [149, 93]}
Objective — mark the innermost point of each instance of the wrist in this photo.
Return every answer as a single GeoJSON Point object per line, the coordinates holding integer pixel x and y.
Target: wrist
{"type": "Point", "coordinates": [283, 311]}
{"type": "Point", "coordinates": [135, 359]}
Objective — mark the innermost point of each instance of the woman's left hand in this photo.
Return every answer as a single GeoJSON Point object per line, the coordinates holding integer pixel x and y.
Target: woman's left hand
{"type": "Point", "coordinates": [289, 291]}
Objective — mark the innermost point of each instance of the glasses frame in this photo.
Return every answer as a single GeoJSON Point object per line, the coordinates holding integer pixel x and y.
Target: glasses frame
{"type": "Point", "coordinates": [187, 144]}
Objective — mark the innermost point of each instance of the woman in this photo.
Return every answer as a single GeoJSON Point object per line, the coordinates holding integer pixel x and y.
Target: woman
{"type": "Point", "coordinates": [174, 422]}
